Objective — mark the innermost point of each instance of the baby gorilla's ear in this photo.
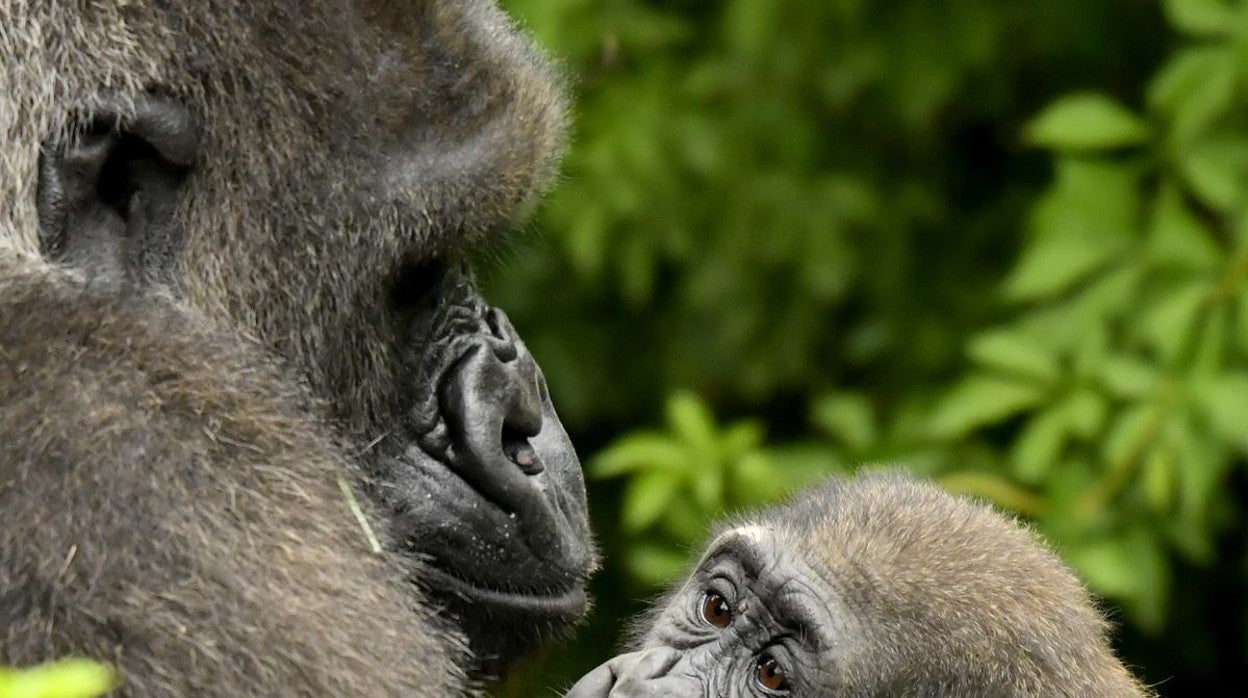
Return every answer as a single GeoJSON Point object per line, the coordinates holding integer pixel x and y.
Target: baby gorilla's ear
{"type": "Point", "coordinates": [107, 197]}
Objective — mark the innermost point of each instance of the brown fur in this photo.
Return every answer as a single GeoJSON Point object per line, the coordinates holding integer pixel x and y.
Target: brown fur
{"type": "Point", "coordinates": [169, 461]}
{"type": "Point", "coordinates": [955, 599]}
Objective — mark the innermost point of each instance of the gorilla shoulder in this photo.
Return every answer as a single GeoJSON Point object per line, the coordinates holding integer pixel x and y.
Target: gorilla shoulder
{"type": "Point", "coordinates": [171, 508]}
{"type": "Point", "coordinates": [873, 586]}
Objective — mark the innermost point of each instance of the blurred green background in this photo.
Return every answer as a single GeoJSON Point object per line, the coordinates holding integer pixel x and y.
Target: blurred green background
{"type": "Point", "coordinates": [1004, 244]}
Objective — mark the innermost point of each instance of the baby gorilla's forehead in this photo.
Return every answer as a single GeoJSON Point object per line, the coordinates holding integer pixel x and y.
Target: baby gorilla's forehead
{"type": "Point", "coordinates": [785, 587]}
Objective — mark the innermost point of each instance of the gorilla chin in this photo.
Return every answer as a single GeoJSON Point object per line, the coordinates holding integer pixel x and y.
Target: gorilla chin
{"type": "Point", "coordinates": [481, 479]}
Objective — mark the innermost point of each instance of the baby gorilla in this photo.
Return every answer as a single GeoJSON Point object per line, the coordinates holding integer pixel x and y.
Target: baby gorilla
{"type": "Point", "coordinates": [874, 586]}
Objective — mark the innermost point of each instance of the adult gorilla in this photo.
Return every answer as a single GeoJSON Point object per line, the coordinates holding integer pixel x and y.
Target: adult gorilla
{"type": "Point", "coordinates": [232, 292]}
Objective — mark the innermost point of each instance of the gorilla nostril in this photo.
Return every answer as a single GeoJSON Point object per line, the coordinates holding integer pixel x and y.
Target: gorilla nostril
{"type": "Point", "coordinates": [504, 345]}
{"type": "Point", "coordinates": [519, 451]}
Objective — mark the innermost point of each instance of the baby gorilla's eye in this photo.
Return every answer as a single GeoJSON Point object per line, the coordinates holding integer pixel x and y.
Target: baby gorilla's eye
{"type": "Point", "coordinates": [715, 610]}
{"type": "Point", "coordinates": [771, 675]}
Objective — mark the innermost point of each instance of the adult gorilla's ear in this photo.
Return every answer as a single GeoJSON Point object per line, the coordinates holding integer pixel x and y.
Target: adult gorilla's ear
{"type": "Point", "coordinates": [107, 197]}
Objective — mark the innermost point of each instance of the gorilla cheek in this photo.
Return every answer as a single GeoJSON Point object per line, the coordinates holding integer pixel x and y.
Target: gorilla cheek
{"type": "Point", "coordinates": [482, 480]}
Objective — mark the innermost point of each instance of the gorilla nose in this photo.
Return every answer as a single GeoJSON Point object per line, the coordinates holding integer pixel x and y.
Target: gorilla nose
{"type": "Point", "coordinates": [493, 403]}
{"type": "Point", "coordinates": [507, 442]}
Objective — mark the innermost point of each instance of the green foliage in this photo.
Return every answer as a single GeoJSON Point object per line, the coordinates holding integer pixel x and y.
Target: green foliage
{"type": "Point", "coordinates": [1002, 244]}
{"type": "Point", "coordinates": [67, 678]}
{"type": "Point", "coordinates": [681, 479]}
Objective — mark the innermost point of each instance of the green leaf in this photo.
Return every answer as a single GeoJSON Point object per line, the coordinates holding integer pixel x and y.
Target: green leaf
{"type": "Point", "coordinates": [757, 479]}
{"type": "Point", "coordinates": [1013, 352]}
{"type": "Point", "coordinates": [1201, 17]}
{"type": "Point", "coordinates": [1158, 480]}
{"type": "Point", "coordinates": [1179, 239]}
{"type": "Point", "coordinates": [1085, 412]}
{"type": "Point", "coordinates": [1127, 376]}
{"type": "Point", "coordinates": [1130, 568]}
{"type": "Point", "coordinates": [845, 416]}
{"type": "Point", "coordinates": [1194, 90]}
{"type": "Point", "coordinates": [1050, 266]}
{"type": "Point", "coordinates": [638, 452]}
{"type": "Point", "coordinates": [1086, 218]}
{"type": "Point", "coordinates": [995, 489]}
{"type": "Point", "coordinates": [1133, 431]}
{"type": "Point", "coordinates": [1169, 325]}
{"type": "Point", "coordinates": [1224, 403]}
{"type": "Point", "coordinates": [646, 496]}
{"type": "Point", "coordinates": [1215, 171]}
{"type": "Point", "coordinates": [692, 422]}
{"type": "Point", "coordinates": [740, 439]}
{"type": "Point", "coordinates": [980, 400]}
{"type": "Point", "coordinates": [655, 565]}
{"type": "Point", "coordinates": [798, 465]}
{"type": "Point", "coordinates": [66, 678]}
{"type": "Point", "coordinates": [1086, 121]}
{"type": "Point", "coordinates": [1037, 448]}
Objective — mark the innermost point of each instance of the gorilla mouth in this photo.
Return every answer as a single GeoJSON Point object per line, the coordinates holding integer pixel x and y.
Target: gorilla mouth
{"type": "Point", "coordinates": [480, 479]}
{"type": "Point", "coordinates": [567, 603]}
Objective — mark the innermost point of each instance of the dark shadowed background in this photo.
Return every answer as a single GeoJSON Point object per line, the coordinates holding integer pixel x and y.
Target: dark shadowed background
{"type": "Point", "coordinates": [1004, 244]}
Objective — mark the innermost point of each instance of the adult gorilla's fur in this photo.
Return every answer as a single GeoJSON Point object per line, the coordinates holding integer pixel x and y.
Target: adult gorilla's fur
{"type": "Point", "coordinates": [170, 453]}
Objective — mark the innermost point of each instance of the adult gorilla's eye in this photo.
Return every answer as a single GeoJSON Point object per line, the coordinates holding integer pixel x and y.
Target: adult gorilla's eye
{"type": "Point", "coordinates": [715, 610]}
{"type": "Point", "coordinates": [771, 675]}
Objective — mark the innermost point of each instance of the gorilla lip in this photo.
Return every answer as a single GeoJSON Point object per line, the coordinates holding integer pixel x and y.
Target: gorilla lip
{"type": "Point", "coordinates": [569, 602]}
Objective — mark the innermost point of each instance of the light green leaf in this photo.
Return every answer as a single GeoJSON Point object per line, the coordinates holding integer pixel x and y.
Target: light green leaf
{"type": "Point", "coordinates": [637, 452]}
{"type": "Point", "coordinates": [799, 465]}
{"type": "Point", "coordinates": [1131, 568]}
{"type": "Point", "coordinates": [980, 400]}
{"type": "Point", "coordinates": [1085, 219]}
{"type": "Point", "coordinates": [1013, 352]}
{"type": "Point", "coordinates": [1052, 265]}
{"type": "Point", "coordinates": [655, 565]}
{"type": "Point", "coordinates": [740, 438]}
{"type": "Point", "coordinates": [646, 496]}
{"type": "Point", "coordinates": [995, 489]}
{"type": "Point", "coordinates": [1215, 171]}
{"type": "Point", "coordinates": [1201, 464]}
{"type": "Point", "coordinates": [1086, 121]}
{"type": "Point", "coordinates": [1158, 480]}
{"type": "Point", "coordinates": [1194, 89]}
{"type": "Point", "coordinates": [1179, 239]}
{"type": "Point", "coordinates": [1168, 326]}
{"type": "Point", "coordinates": [1127, 376]}
{"type": "Point", "coordinates": [1224, 402]}
{"type": "Point", "coordinates": [691, 421]}
{"type": "Point", "coordinates": [845, 416]}
{"type": "Point", "coordinates": [1085, 412]}
{"type": "Point", "coordinates": [66, 678]}
{"type": "Point", "coordinates": [1133, 431]}
{"type": "Point", "coordinates": [1037, 448]}
{"type": "Point", "coordinates": [758, 479]}
{"type": "Point", "coordinates": [1201, 17]}
{"type": "Point", "coordinates": [708, 489]}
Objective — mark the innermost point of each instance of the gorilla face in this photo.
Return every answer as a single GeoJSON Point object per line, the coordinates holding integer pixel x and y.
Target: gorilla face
{"type": "Point", "coordinates": [313, 175]}
{"type": "Point", "coordinates": [752, 620]}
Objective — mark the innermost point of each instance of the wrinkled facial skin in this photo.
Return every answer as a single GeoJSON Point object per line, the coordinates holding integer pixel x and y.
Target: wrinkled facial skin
{"type": "Point", "coordinates": [776, 621]}
{"type": "Point", "coordinates": [312, 175]}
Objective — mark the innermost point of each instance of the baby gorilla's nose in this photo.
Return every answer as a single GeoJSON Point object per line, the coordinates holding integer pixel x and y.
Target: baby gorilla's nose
{"type": "Point", "coordinates": [653, 673]}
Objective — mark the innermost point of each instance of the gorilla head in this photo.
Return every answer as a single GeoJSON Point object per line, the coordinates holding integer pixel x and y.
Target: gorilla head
{"type": "Point", "coordinates": [878, 586]}
{"type": "Point", "coordinates": [308, 177]}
